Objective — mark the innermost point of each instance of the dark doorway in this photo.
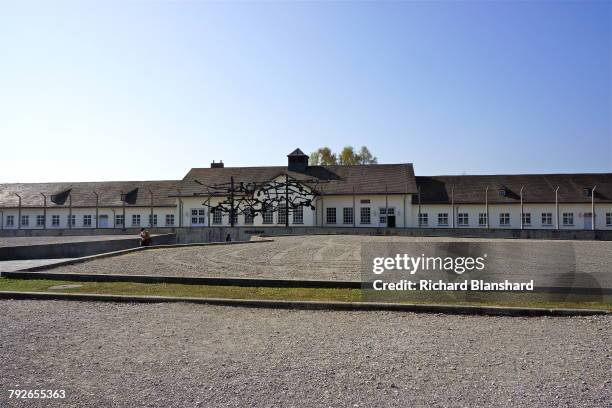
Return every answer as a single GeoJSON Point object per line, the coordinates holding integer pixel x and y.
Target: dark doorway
{"type": "Point", "coordinates": [391, 221]}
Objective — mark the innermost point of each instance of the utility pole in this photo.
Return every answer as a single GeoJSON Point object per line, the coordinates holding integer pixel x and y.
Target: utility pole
{"type": "Point", "coordinates": [286, 200]}
{"type": "Point", "coordinates": [44, 210]}
{"type": "Point", "coordinates": [232, 201]}
{"type": "Point", "coordinates": [19, 212]}
{"type": "Point", "coordinates": [97, 207]}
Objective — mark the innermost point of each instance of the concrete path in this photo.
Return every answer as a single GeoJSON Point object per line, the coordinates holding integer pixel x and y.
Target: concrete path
{"type": "Point", "coordinates": [10, 266]}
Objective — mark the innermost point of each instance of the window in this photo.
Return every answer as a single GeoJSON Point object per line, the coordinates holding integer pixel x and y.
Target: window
{"type": "Point", "coordinates": [502, 192]}
{"type": "Point", "coordinates": [72, 220]}
{"type": "Point", "coordinates": [423, 219]}
{"type": "Point", "coordinates": [568, 218]}
{"type": "Point", "coordinates": [234, 217]}
{"type": "Point", "coordinates": [608, 219]}
{"type": "Point", "coordinates": [40, 220]}
{"type": "Point", "coordinates": [25, 220]}
{"type": "Point", "coordinates": [463, 219]}
{"type": "Point", "coordinates": [482, 219]}
{"type": "Point", "coordinates": [135, 220]}
{"type": "Point", "coordinates": [547, 219]}
{"type": "Point", "coordinates": [169, 219]}
{"type": "Point", "coordinates": [248, 216]}
{"type": "Point", "coordinates": [298, 215]}
{"type": "Point", "coordinates": [152, 219]}
{"type": "Point", "coordinates": [384, 211]}
{"type": "Point", "coordinates": [365, 201]}
{"type": "Point", "coordinates": [587, 191]}
{"type": "Point", "coordinates": [504, 219]}
{"type": "Point", "coordinates": [526, 218]}
{"type": "Point", "coordinates": [119, 219]}
{"type": "Point", "coordinates": [282, 213]}
{"type": "Point", "coordinates": [443, 219]}
{"type": "Point", "coordinates": [347, 215]}
{"type": "Point", "coordinates": [268, 216]}
{"type": "Point", "coordinates": [198, 216]}
{"type": "Point", "coordinates": [55, 220]}
{"type": "Point", "coordinates": [364, 213]}
{"type": "Point", "coordinates": [331, 215]}
{"type": "Point", "coordinates": [217, 216]}
{"type": "Point", "coordinates": [87, 220]}
{"type": "Point", "coordinates": [10, 220]}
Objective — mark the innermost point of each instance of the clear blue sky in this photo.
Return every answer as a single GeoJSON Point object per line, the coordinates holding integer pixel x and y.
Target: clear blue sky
{"type": "Point", "coordinates": [147, 90]}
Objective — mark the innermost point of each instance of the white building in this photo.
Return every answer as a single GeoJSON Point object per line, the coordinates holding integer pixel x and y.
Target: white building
{"type": "Point", "coordinates": [385, 195]}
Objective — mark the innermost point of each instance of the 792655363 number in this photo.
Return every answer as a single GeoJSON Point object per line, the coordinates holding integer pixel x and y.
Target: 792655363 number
{"type": "Point", "coordinates": [37, 394]}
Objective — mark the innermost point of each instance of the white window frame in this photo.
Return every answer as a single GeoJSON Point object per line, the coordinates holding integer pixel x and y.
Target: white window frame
{"type": "Point", "coordinates": [55, 220]}
{"type": "Point", "coordinates": [119, 219]}
{"type": "Point", "coordinates": [482, 219]}
{"type": "Point", "coordinates": [249, 218]}
{"type": "Point", "coordinates": [443, 219]}
{"type": "Point", "coordinates": [25, 220]}
{"type": "Point", "coordinates": [331, 216]}
{"type": "Point", "coordinates": [40, 220]}
{"type": "Point", "coordinates": [568, 219]}
{"type": "Point", "coordinates": [198, 216]}
{"type": "Point", "coordinates": [463, 219]}
{"type": "Point", "coordinates": [423, 219]}
{"type": "Point", "coordinates": [87, 220]}
{"type": "Point", "coordinates": [347, 216]}
{"type": "Point", "coordinates": [154, 219]}
{"type": "Point", "coordinates": [608, 219]}
{"type": "Point", "coordinates": [267, 217]}
{"type": "Point", "coordinates": [135, 220]}
{"type": "Point", "coordinates": [282, 213]}
{"type": "Point", "coordinates": [504, 219]}
{"type": "Point", "coordinates": [526, 218]}
{"type": "Point", "coordinates": [298, 215]}
{"type": "Point", "coordinates": [10, 220]}
{"type": "Point", "coordinates": [365, 215]}
{"type": "Point", "coordinates": [169, 220]}
{"type": "Point", "coordinates": [72, 220]}
{"type": "Point", "coordinates": [217, 216]}
{"type": "Point", "coordinates": [547, 219]}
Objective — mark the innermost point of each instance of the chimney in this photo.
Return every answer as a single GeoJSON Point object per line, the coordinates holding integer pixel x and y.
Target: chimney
{"type": "Point", "coordinates": [214, 165]}
{"type": "Point", "coordinates": [297, 161]}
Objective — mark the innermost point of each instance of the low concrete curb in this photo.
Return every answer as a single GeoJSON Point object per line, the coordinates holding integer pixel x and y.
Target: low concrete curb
{"type": "Point", "coordinates": [310, 305]}
{"type": "Point", "coordinates": [126, 251]}
{"type": "Point", "coordinates": [186, 280]}
{"type": "Point", "coordinates": [30, 273]}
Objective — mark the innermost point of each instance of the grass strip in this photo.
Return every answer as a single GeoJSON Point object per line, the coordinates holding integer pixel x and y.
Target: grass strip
{"type": "Point", "coordinates": [539, 300]}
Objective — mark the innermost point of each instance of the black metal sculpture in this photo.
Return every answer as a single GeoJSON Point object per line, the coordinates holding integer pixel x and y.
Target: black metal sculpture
{"type": "Point", "coordinates": [261, 197]}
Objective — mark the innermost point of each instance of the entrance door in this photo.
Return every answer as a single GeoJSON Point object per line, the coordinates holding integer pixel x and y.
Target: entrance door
{"type": "Point", "coordinates": [103, 221]}
{"type": "Point", "coordinates": [391, 221]}
{"type": "Point", "coordinates": [588, 219]}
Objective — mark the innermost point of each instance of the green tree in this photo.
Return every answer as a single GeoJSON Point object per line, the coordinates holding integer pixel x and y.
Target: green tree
{"type": "Point", "coordinates": [347, 157]}
{"type": "Point", "coordinates": [365, 157]}
{"type": "Point", "coordinates": [323, 157]}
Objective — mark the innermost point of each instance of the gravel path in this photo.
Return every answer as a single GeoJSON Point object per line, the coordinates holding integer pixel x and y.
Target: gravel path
{"type": "Point", "coordinates": [178, 355]}
{"type": "Point", "coordinates": [330, 257]}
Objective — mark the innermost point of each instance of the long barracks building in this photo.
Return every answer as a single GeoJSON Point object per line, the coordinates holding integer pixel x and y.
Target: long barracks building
{"type": "Point", "coordinates": [381, 195]}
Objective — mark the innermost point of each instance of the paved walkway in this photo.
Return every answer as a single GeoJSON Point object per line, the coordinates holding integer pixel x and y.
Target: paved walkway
{"type": "Point", "coordinates": [11, 266]}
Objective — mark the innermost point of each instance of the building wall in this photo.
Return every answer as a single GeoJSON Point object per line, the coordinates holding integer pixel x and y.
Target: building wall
{"type": "Point", "coordinates": [405, 212]}
{"type": "Point", "coordinates": [79, 214]}
{"type": "Point", "coordinates": [536, 210]}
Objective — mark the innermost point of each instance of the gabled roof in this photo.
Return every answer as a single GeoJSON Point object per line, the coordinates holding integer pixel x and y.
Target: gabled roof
{"type": "Point", "coordinates": [136, 193]}
{"type": "Point", "coordinates": [367, 179]}
{"type": "Point", "coordinates": [297, 153]}
{"type": "Point", "coordinates": [539, 188]}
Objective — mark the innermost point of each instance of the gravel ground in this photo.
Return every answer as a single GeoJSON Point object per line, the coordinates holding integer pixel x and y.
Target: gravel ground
{"type": "Point", "coordinates": [333, 257]}
{"type": "Point", "coordinates": [178, 355]}
{"type": "Point", "coordinates": [24, 241]}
